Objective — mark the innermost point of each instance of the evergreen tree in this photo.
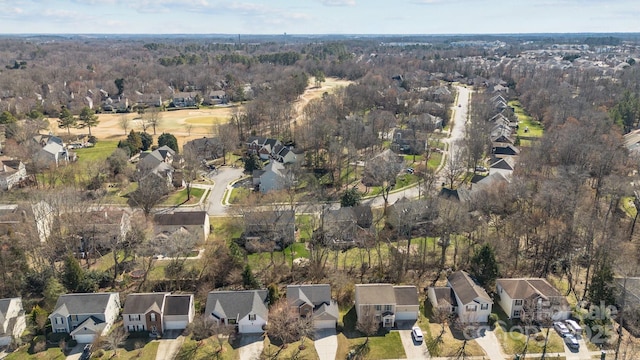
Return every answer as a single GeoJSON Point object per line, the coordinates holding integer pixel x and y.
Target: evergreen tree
{"type": "Point", "coordinates": [274, 293]}
{"type": "Point", "coordinates": [248, 280]}
{"type": "Point", "coordinates": [602, 288]}
{"type": "Point", "coordinates": [168, 140]}
{"type": "Point", "coordinates": [66, 120]}
{"type": "Point", "coordinates": [351, 197]}
{"type": "Point", "coordinates": [52, 291]}
{"type": "Point", "coordinates": [484, 266]}
{"type": "Point", "coordinates": [135, 142]}
{"type": "Point", "coordinates": [7, 118]}
{"type": "Point", "coordinates": [88, 119]}
{"type": "Point", "coordinates": [72, 275]}
{"type": "Point", "coordinates": [252, 162]}
{"type": "Point", "coordinates": [147, 141]}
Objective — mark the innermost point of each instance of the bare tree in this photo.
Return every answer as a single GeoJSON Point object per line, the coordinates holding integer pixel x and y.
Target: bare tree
{"type": "Point", "coordinates": [124, 123]}
{"type": "Point", "coordinates": [382, 170]}
{"type": "Point", "coordinates": [154, 118]}
{"type": "Point", "coordinates": [115, 338]}
{"type": "Point", "coordinates": [367, 323]}
{"type": "Point", "coordinates": [455, 165]}
{"type": "Point", "coordinates": [285, 325]}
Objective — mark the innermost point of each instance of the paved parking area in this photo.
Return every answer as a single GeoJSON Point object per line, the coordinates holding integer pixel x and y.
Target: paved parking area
{"type": "Point", "coordinates": [251, 346]}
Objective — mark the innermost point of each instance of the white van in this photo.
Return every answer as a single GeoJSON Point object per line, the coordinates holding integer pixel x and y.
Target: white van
{"type": "Point", "coordinates": [574, 327]}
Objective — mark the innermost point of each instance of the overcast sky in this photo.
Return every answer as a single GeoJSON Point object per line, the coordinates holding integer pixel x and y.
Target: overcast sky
{"type": "Point", "coordinates": [317, 16]}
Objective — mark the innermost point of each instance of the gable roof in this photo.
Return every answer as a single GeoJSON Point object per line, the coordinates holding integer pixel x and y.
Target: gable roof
{"type": "Point", "coordinates": [524, 288]}
{"type": "Point", "coordinates": [406, 295]}
{"type": "Point", "coordinates": [178, 304]}
{"type": "Point", "coordinates": [181, 218]}
{"type": "Point", "coordinates": [466, 289]}
{"type": "Point", "coordinates": [506, 163]}
{"type": "Point", "coordinates": [142, 303]}
{"type": "Point", "coordinates": [86, 303]}
{"type": "Point", "coordinates": [444, 295]}
{"type": "Point", "coordinates": [237, 304]}
{"type": "Point", "coordinates": [90, 326]}
{"type": "Point", "coordinates": [312, 294]}
{"type": "Point", "coordinates": [375, 294]}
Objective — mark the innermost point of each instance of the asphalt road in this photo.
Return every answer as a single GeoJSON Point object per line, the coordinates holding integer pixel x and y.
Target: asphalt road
{"type": "Point", "coordinates": [222, 177]}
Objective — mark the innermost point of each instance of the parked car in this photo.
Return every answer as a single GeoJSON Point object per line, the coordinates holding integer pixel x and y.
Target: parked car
{"type": "Point", "coordinates": [416, 333]}
{"type": "Point", "coordinates": [481, 169]}
{"type": "Point", "coordinates": [411, 170]}
{"type": "Point", "coordinates": [561, 328]}
{"type": "Point", "coordinates": [571, 341]}
{"type": "Point", "coordinates": [574, 327]}
{"type": "Point", "coordinates": [86, 352]}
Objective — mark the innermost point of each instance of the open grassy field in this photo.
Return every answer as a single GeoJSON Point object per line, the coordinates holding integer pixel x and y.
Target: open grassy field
{"type": "Point", "coordinates": [99, 152]}
{"type": "Point", "coordinates": [535, 128]}
{"type": "Point", "coordinates": [187, 124]}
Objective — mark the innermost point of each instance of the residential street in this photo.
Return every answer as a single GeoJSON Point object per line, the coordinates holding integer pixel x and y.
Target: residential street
{"type": "Point", "coordinates": [223, 176]}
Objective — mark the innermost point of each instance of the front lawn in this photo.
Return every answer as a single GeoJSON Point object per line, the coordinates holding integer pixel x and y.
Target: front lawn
{"type": "Point", "coordinates": [206, 349]}
{"type": "Point", "coordinates": [22, 353]}
{"type": "Point", "coordinates": [291, 351]}
{"type": "Point", "coordinates": [180, 197]}
{"type": "Point", "coordinates": [451, 341]}
{"type": "Point", "coordinates": [99, 152]}
{"type": "Point", "coordinates": [513, 340]}
{"type": "Point", "coordinates": [132, 349]}
{"type": "Point", "coordinates": [383, 345]}
{"type": "Point", "coordinates": [527, 126]}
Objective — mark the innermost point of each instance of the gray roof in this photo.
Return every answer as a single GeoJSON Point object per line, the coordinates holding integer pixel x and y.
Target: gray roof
{"type": "Point", "coordinates": [181, 218]}
{"type": "Point", "coordinates": [375, 294]}
{"type": "Point", "coordinates": [90, 326]}
{"type": "Point", "coordinates": [143, 303]}
{"type": "Point", "coordinates": [444, 294]}
{"type": "Point", "coordinates": [527, 287]}
{"type": "Point", "coordinates": [178, 304]}
{"type": "Point", "coordinates": [406, 295]}
{"type": "Point", "coordinates": [466, 289]}
{"type": "Point", "coordinates": [314, 294]}
{"type": "Point", "coordinates": [88, 303]}
{"type": "Point", "coordinates": [237, 304]}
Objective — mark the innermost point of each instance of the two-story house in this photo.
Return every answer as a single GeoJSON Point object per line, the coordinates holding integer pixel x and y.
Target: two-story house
{"type": "Point", "coordinates": [387, 303]}
{"type": "Point", "coordinates": [533, 295]}
{"type": "Point", "coordinates": [473, 302]}
{"type": "Point", "coordinates": [12, 320]}
{"type": "Point", "coordinates": [85, 316]}
{"type": "Point", "coordinates": [315, 302]}
{"type": "Point", "coordinates": [158, 312]}
{"type": "Point", "coordinates": [247, 310]}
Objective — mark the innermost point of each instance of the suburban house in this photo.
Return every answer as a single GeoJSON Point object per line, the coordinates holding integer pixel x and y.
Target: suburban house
{"type": "Point", "coordinates": [184, 99]}
{"type": "Point", "coordinates": [341, 226]}
{"type": "Point", "coordinates": [405, 214]}
{"type": "Point", "coordinates": [12, 320]}
{"type": "Point", "coordinates": [12, 172]}
{"type": "Point", "coordinates": [273, 149]}
{"type": "Point", "coordinates": [245, 309]}
{"type": "Point", "coordinates": [315, 302]}
{"type": "Point", "coordinates": [501, 150]}
{"type": "Point", "coordinates": [443, 298]}
{"type": "Point", "coordinates": [157, 163]}
{"type": "Point", "coordinates": [195, 222]}
{"type": "Point", "coordinates": [387, 303]}
{"type": "Point", "coordinates": [216, 97]}
{"type": "Point", "coordinates": [533, 295]}
{"type": "Point", "coordinates": [52, 154]}
{"type": "Point", "coordinates": [277, 226]}
{"type": "Point", "coordinates": [157, 312]}
{"type": "Point", "coordinates": [204, 148]}
{"type": "Point", "coordinates": [407, 141]}
{"type": "Point", "coordinates": [274, 177]}
{"type": "Point", "coordinates": [102, 226]}
{"type": "Point", "coordinates": [504, 165]}
{"type": "Point", "coordinates": [473, 304]}
{"type": "Point", "coordinates": [85, 316]}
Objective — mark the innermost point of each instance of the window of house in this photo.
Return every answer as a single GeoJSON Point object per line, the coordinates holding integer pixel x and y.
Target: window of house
{"type": "Point", "coordinates": [252, 317]}
{"type": "Point", "coordinates": [387, 308]}
{"type": "Point", "coordinates": [74, 318]}
{"type": "Point", "coordinates": [471, 308]}
{"type": "Point", "coordinates": [516, 313]}
{"type": "Point", "coordinates": [484, 306]}
{"type": "Point", "coordinates": [231, 321]}
{"type": "Point", "coordinates": [378, 307]}
{"type": "Point", "coordinates": [518, 302]}
{"type": "Point", "coordinates": [59, 320]}
{"type": "Point", "coordinates": [153, 317]}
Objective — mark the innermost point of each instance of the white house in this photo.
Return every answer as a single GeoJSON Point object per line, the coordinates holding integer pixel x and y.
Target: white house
{"type": "Point", "coordinates": [11, 173]}
{"type": "Point", "coordinates": [52, 154]}
{"type": "Point", "coordinates": [12, 320]}
{"type": "Point", "coordinates": [314, 301]}
{"type": "Point", "coordinates": [85, 316]}
{"type": "Point", "coordinates": [387, 303]}
{"type": "Point", "coordinates": [473, 304]}
{"type": "Point", "coordinates": [535, 295]}
{"type": "Point", "coordinates": [245, 309]}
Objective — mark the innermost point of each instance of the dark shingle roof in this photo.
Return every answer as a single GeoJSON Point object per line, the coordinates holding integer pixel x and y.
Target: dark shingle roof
{"type": "Point", "coordinates": [181, 218]}
{"type": "Point", "coordinates": [177, 304]}
{"type": "Point", "coordinates": [141, 303]}
{"type": "Point", "coordinates": [466, 289]}
{"type": "Point", "coordinates": [83, 303]}
{"type": "Point", "coordinates": [406, 295]}
{"type": "Point", "coordinates": [237, 304]}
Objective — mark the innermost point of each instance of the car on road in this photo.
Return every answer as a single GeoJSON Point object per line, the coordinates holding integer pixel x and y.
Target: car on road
{"type": "Point", "coordinates": [416, 333]}
{"type": "Point", "coordinates": [571, 342]}
{"type": "Point", "coordinates": [561, 328]}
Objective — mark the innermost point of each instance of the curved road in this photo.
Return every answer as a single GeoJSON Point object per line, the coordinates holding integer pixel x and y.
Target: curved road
{"type": "Point", "coordinates": [226, 175]}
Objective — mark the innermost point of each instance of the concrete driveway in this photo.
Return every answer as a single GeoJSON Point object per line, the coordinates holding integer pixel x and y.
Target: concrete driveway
{"type": "Point", "coordinates": [489, 343]}
{"type": "Point", "coordinates": [222, 177]}
{"type": "Point", "coordinates": [170, 345]}
{"type": "Point", "coordinates": [251, 346]}
{"type": "Point", "coordinates": [75, 353]}
{"type": "Point", "coordinates": [412, 349]}
{"type": "Point", "coordinates": [326, 344]}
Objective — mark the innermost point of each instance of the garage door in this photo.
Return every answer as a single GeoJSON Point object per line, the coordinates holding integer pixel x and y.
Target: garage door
{"type": "Point", "coordinates": [175, 325]}
{"type": "Point", "coordinates": [406, 315]}
{"type": "Point", "coordinates": [248, 328]}
{"type": "Point", "coordinates": [324, 324]}
{"type": "Point", "coordinates": [84, 338]}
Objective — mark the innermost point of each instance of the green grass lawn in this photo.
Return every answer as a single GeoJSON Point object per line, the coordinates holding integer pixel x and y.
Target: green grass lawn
{"type": "Point", "coordinates": [405, 180]}
{"type": "Point", "coordinates": [305, 225]}
{"type": "Point", "coordinates": [206, 349]}
{"type": "Point", "coordinates": [525, 121]}
{"type": "Point", "coordinates": [180, 197]}
{"type": "Point", "coordinates": [409, 159]}
{"type": "Point", "coordinates": [238, 194]}
{"type": "Point", "coordinates": [129, 351]}
{"type": "Point", "coordinates": [291, 351]}
{"type": "Point", "coordinates": [22, 353]}
{"type": "Point", "coordinates": [383, 345]}
{"type": "Point", "coordinates": [513, 340]}
{"type": "Point", "coordinates": [99, 152]}
{"type": "Point", "coordinates": [226, 228]}
{"type": "Point", "coordinates": [434, 160]}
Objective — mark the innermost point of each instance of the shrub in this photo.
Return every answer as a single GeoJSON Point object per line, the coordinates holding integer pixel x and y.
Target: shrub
{"type": "Point", "coordinates": [493, 318]}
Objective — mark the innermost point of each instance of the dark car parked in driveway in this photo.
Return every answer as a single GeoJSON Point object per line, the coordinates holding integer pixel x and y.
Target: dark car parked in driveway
{"type": "Point", "coordinates": [86, 352]}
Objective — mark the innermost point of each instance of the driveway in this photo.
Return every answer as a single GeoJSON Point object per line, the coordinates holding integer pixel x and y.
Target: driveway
{"type": "Point", "coordinates": [251, 346]}
{"type": "Point", "coordinates": [326, 344]}
{"type": "Point", "coordinates": [412, 349]}
{"type": "Point", "coordinates": [75, 353]}
{"type": "Point", "coordinates": [582, 353]}
{"type": "Point", "coordinates": [489, 343]}
{"type": "Point", "coordinates": [221, 177]}
{"type": "Point", "coordinates": [170, 344]}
